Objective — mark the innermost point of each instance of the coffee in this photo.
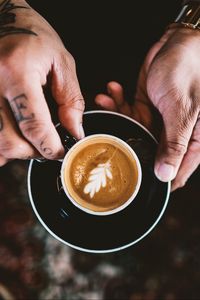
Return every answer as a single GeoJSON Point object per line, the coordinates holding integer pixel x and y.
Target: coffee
{"type": "Point", "coordinates": [101, 174]}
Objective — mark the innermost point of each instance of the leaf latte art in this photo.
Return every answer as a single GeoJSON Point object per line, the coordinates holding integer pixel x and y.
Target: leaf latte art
{"type": "Point", "coordinates": [98, 179]}
{"type": "Point", "coordinates": [100, 175]}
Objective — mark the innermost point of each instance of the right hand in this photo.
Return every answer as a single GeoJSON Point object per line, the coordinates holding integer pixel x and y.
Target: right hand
{"type": "Point", "coordinates": [31, 51]}
{"type": "Point", "coordinates": [168, 90]}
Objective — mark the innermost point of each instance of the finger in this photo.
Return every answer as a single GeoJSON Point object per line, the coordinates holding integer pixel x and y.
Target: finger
{"type": "Point", "coordinates": [67, 93]}
{"type": "Point", "coordinates": [191, 160]}
{"type": "Point", "coordinates": [12, 144]}
{"type": "Point", "coordinates": [116, 91]}
{"type": "Point", "coordinates": [142, 112]}
{"type": "Point", "coordinates": [177, 130]}
{"type": "Point", "coordinates": [106, 102]}
{"type": "Point", "coordinates": [3, 161]}
{"type": "Point", "coordinates": [31, 112]}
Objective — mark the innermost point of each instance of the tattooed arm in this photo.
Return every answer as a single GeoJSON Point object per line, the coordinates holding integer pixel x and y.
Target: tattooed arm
{"type": "Point", "coordinates": [30, 50]}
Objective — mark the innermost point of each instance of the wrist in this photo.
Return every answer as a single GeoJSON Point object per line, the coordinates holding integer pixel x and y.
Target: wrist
{"type": "Point", "coordinates": [188, 17]}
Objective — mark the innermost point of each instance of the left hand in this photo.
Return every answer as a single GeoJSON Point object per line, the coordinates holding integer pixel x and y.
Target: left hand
{"type": "Point", "coordinates": [32, 56]}
{"type": "Point", "coordinates": [169, 84]}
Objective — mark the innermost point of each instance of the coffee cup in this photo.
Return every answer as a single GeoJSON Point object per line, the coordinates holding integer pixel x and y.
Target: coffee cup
{"type": "Point", "coordinates": [102, 227]}
{"type": "Point", "coordinates": [101, 174]}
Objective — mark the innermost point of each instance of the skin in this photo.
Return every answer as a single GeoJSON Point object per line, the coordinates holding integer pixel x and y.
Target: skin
{"type": "Point", "coordinates": [168, 92]}
{"type": "Point", "coordinates": [30, 50]}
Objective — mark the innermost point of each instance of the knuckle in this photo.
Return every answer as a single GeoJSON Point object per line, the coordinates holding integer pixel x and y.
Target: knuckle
{"type": "Point", "coordinates": [12, 74]}
{"type": "Point", "coordinates": [38, 133]}
{"type": "Point", "coordinates": [7, 147]}
{"type": "Point", "coordinates": [12, 149]}
{"type": "Point", "coordinates": [16, 82]}
{"type": "Point", "coordinates": [180, 183]}
{"type": "Point", "coordinates": [33, 130]}
{"type": "Point", "coordinates": [176, 149]}
{"type": "Point", "coordinates": [8, 63]}
{"type": "Point", "coordinates": [194, 145]}
{"type": "Point", "coordinates": [167, 93]}
{"type": "Point", "coordinates": [70, 59]}
{"type": "Point", "coordinates": [77, 103]}
{"type": "Point", "coordinates": [3, 161]}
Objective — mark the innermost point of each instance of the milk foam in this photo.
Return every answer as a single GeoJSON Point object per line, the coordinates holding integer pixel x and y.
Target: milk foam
{"type": "Point", "coordinates": [101, 176]}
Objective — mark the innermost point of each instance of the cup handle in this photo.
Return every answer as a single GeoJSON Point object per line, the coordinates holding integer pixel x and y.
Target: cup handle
{"type": "Point", "coordinates": [66, 138]}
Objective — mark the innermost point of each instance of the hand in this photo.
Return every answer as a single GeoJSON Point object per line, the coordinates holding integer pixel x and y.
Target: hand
{"type": "Point", "coordinates": [169, 82]}
{"type": "Point", "coordinates": [31, 51]}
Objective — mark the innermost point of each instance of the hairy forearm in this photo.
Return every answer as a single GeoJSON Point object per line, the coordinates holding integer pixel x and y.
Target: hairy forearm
{"type": "Point", "coordinates": [8, 17]}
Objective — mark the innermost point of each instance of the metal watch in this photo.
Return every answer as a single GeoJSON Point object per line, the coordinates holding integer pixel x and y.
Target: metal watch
{"type": "Point", "coordinates": [190, 15]}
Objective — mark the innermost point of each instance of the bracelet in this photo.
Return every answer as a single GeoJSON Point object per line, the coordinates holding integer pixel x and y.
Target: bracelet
{"type": "Point", "coordinates": [183, 25]}
{"type": "Point", "coordinates": [189, 16]}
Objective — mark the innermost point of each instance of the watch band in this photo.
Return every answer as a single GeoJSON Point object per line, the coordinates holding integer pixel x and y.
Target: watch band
{"type": "Point", "coordinates": [189, 16]}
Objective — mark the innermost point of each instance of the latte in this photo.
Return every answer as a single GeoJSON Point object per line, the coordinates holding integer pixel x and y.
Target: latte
{"type": "Point", "coordinates": [100, 174]}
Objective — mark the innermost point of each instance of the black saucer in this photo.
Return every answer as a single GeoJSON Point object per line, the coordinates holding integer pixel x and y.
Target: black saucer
{"type": "Point", "coordinates": [101, 233]}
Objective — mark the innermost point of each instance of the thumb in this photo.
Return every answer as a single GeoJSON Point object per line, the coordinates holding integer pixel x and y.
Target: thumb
{"type": "Point", "coordinates": [172, 147]}
{"type": "Point", "coordinates": [67, 93]}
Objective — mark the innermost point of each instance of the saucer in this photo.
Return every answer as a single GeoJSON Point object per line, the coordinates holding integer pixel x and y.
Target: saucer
{"type": "Point", "coordinates": [92, 233]}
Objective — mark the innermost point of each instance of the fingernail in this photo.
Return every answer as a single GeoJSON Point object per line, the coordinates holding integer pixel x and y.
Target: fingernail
{"type": "Point", "coordinates": [165, 172]}
{"type": "Point", "coordinates": [81, 132]}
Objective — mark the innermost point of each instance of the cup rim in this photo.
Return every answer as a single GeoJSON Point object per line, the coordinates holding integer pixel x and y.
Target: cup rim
{"type": "Point", "coordinates": [139, 177]}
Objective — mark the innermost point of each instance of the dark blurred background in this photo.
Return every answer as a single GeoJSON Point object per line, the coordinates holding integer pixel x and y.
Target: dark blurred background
{"type": "Point", "coordinates": [109, 42]}
{"type": "Point", "coordinates": [108, 39]}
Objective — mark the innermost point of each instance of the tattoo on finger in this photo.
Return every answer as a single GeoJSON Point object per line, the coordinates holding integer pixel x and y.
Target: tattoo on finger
{"type": "Point", "coordinates": [20, 109]}
{"type": "Point", "coordinates": [45, 149]}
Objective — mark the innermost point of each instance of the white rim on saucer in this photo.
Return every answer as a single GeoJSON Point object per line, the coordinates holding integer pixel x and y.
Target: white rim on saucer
{"type": "Point", "coordinates": [107, 250]}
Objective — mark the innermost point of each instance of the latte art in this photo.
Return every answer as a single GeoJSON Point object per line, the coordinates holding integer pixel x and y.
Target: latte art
{"type": "Point", "coordinates": [101, 174]}
{"type": "Point", "coordinates": [98, 179]}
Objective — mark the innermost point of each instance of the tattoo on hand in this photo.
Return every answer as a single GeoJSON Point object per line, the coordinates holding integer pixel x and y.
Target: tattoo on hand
{"type": "Point", "coordinates": [19, 107]}
{"type": "Point", "coordinates": [1, 120]}
{"type": "Point", "coordinates": [7, 16]}
{"type": "Point", "coordinates": [46, 150]}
